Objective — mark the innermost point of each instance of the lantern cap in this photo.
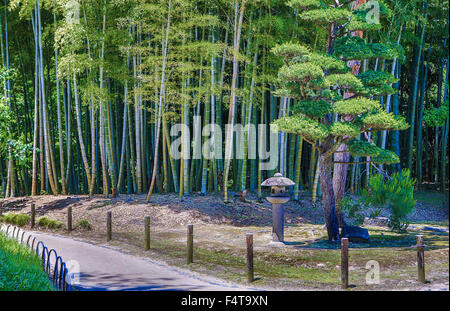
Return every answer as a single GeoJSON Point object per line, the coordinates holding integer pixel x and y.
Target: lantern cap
{"type": "Point", "coordinates": [278, 180]}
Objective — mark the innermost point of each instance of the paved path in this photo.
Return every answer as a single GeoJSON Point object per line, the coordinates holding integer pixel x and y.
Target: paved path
{"type": "Point", "coordinates": [103, 268]}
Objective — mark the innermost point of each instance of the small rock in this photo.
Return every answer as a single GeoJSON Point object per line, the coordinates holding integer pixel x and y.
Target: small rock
{"type": "Point", "coordinates": [435, 229]}
{"type": "Point", "coordinates": [356, 234]}
{"type": "Point", "coordinates": [129, 199]}
{"type": "Point", "coordinates": [377, 221]}
{"type": "Point", "coordinates": [411, 227]}
{"type": "Point", "coordinates": [321, 265]}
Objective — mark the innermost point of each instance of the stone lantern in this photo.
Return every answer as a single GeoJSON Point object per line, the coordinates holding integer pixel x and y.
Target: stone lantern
{"type": "Point", "coordinates": [278, 196]}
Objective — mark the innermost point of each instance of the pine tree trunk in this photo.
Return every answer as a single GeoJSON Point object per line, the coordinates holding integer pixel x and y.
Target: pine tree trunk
{"type": "Point", "coordinates": [326, 182]}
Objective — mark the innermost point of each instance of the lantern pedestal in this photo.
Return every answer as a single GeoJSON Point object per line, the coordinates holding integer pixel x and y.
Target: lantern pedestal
{"type": "Point", "coordinates": [278, 196]}
{"type": "Point", "coordinates": [276, 244]}
{"type": "Point", "coordinates": [277, 218]}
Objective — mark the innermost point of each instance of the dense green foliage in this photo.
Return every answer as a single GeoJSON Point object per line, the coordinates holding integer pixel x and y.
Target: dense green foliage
{"type": "Point", "coordinates": [353, 211]}
{"type": "Point", "coordinates": [395, 193]}
{"type": "Point", "coordinates": [20, 268]}
{"type": "Point", "coordinates": [436, 117]}
{"type": "Point", "coordinates": [88, 106]}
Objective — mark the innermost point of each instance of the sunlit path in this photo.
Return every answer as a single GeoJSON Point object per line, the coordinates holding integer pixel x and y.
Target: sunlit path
{"type": "Point", "coordinates": [102, 268]}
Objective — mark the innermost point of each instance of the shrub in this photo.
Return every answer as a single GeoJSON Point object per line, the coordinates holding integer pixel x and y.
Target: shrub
{"type": "Point", "coordinates": [395, 193]}
{"type": "Point", "coordinates": [16, 219]}
{"type": "Point", "coordinates": [84, 224]}
{"type": "Point", "coordinates": [352, 209]}
{"type": "Point", "coordinates": [49, 223]}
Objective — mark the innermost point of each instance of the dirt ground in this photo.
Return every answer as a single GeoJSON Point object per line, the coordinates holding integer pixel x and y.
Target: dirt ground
{"type": "Point", "coordinates": [307, 261]}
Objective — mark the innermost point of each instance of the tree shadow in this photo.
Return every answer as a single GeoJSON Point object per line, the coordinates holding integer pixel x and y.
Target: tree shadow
{"type": "Point", "coordinates": [58, 205]}
{"type": "Point", "coordinates": [379, 239]}
{"type": "Point", "coordinates": [100, 281]}
{"type": "Point", "coordinates": [250, 212]}
{"type": "Point", "coordinates": [19, 204]}
{"type": "Point", "coordinates": [16, 205]}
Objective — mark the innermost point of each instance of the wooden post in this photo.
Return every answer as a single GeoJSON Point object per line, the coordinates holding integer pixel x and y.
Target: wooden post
{"type": "Point", "coordinates": [421, 258]}
{"type": "Point", "coordinates": [344, 262]}
{"type": "Point", "coordinates": [69, 218]}
{"type": "Point", "coordinates": [108, 226]}
{"type": "Point", "coordinates": [147, 233]}
{"type": "Point", "coordinates": [250, 271]}
{"type": "Point", "coordinates": [33, 215]}
{"type": "Point", "coordinates": [190, 244]}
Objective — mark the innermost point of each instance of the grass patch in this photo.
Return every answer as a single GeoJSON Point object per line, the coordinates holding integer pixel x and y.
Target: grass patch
{"type": "Point", "coordinates": [84, 224]}
{"type": "Point", "coordinates": [268, 265]}
{"type": "Point", "coordinates": [20, 268]}
{"type": "Point", "coordinates": [314, 263]}
{"type": "Point", "coordinates": [49, 223]}
{"type": "Point", "coordinates": [15, 219]}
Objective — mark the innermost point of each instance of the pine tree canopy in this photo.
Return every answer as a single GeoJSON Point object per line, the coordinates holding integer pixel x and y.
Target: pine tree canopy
{"type": "Point", "coordinates": [386, 157]}
{"type": "Point", "coordinates": [303, 126]}
{"type": "Point", "coordinates": [356, 106]}
{"type": "Point", "coordinates": [362, 148]}
{"type": "Point", "coordinates": [326, 15]}
{"type": "Point", "coordinates": [305, 77]}
{"type": "Point", "coordinates": [356, 48]}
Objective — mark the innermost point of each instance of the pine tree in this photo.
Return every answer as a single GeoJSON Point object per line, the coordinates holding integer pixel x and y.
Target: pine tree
{"type": "Point", "coordinates": [316, 81]}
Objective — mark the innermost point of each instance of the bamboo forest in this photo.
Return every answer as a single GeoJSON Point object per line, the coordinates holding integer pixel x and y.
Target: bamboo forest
{"type": "Point", "coordinates": [87, 106]}
{"type": "Point", "coordinates": [343, 103]}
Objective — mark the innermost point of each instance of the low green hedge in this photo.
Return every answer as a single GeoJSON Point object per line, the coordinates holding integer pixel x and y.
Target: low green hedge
{"type": "Point", "coordinates": [15, 219]}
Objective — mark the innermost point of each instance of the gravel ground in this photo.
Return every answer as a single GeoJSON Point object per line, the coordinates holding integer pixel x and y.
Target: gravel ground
{"type": "Point", "coordinates": [216, 224]}
{"type": "Point", "coordinates": [170, 211]}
